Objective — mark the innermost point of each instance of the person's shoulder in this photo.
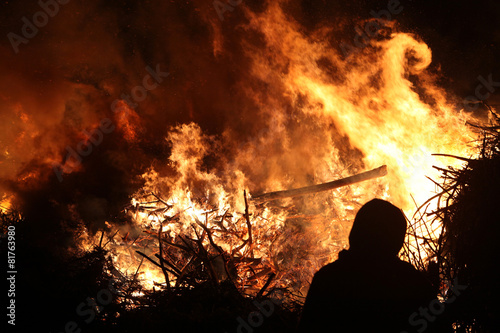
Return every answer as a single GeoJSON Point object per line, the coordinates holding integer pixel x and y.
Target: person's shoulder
{"type": "Point", "coordinates": [328, 269]}
{"type": "Point", "coordinates": [333, 268]}
{"type": "Point", "coordinates": [412, 275]}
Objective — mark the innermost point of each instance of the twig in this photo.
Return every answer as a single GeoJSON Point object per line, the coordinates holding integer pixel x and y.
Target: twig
{"type": "Point", "coordinates": [268, 282]}
{"type": "Point", "coordinates": [167, 280]}
{"type": "Point", "coordinates": [249, 225]}
{"type": "Point", "coordinates": [453, 156]}
{"type": "Point", "coordinates": [109, 239]}
{"type": "Point", "coordinates": [165, 261]}
{"type": "Point", "coordinates": [100, 241]}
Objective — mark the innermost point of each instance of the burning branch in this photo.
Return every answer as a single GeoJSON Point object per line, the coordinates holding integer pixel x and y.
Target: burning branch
{"type": "Point", "coordinates": [375, 173]}
{"type": "Point", "coordinates": [162, 266]}
{"type": "Point", "coordinates": [249, 225]}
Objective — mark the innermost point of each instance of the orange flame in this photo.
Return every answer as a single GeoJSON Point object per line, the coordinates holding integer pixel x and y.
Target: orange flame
{"type": "Point", "coordinates": [381, 106]}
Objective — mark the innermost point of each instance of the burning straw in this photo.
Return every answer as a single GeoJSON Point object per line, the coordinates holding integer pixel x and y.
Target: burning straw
{"type": "Point", "coordinates": [467, 248]}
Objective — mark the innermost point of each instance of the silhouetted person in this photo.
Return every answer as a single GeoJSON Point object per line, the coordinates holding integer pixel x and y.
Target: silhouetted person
{"type": "Point", "coordinates": [369, 289]}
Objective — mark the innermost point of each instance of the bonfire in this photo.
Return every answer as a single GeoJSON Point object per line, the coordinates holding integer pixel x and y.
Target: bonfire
{"type": "Point", "coordinates": [198, 190]}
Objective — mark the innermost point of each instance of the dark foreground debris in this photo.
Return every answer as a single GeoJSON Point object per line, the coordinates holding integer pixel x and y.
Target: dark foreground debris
{"type": "Point", "coordinates": [468, 249]}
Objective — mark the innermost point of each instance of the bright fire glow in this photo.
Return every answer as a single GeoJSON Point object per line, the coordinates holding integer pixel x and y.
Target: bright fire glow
{"type": "Point", "coordinates": [327, 118]}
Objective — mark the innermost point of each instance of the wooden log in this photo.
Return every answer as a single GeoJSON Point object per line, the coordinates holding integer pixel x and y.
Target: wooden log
{"type": "Point", "coordinates": [375, 173]}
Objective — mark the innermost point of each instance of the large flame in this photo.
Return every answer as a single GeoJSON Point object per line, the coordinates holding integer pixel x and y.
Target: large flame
{"type": "Point", "coordinates": [326, 117]}
{"type": "Point", "coordinates": [257, 104]}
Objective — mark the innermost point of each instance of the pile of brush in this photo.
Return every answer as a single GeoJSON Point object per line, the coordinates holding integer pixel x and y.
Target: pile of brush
{"type": "Point", "coordinates": [196, 256]}
{"type": "Point", "coordinates": [212, 290]}
{"type": "Point", "coordinates": [468, 250]}
{"type": "Point", "coordinates": [207, 287]}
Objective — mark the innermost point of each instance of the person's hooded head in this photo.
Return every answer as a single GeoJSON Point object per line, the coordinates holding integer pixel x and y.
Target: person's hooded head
{"type": "Point", "coordinates": [379, 229]}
